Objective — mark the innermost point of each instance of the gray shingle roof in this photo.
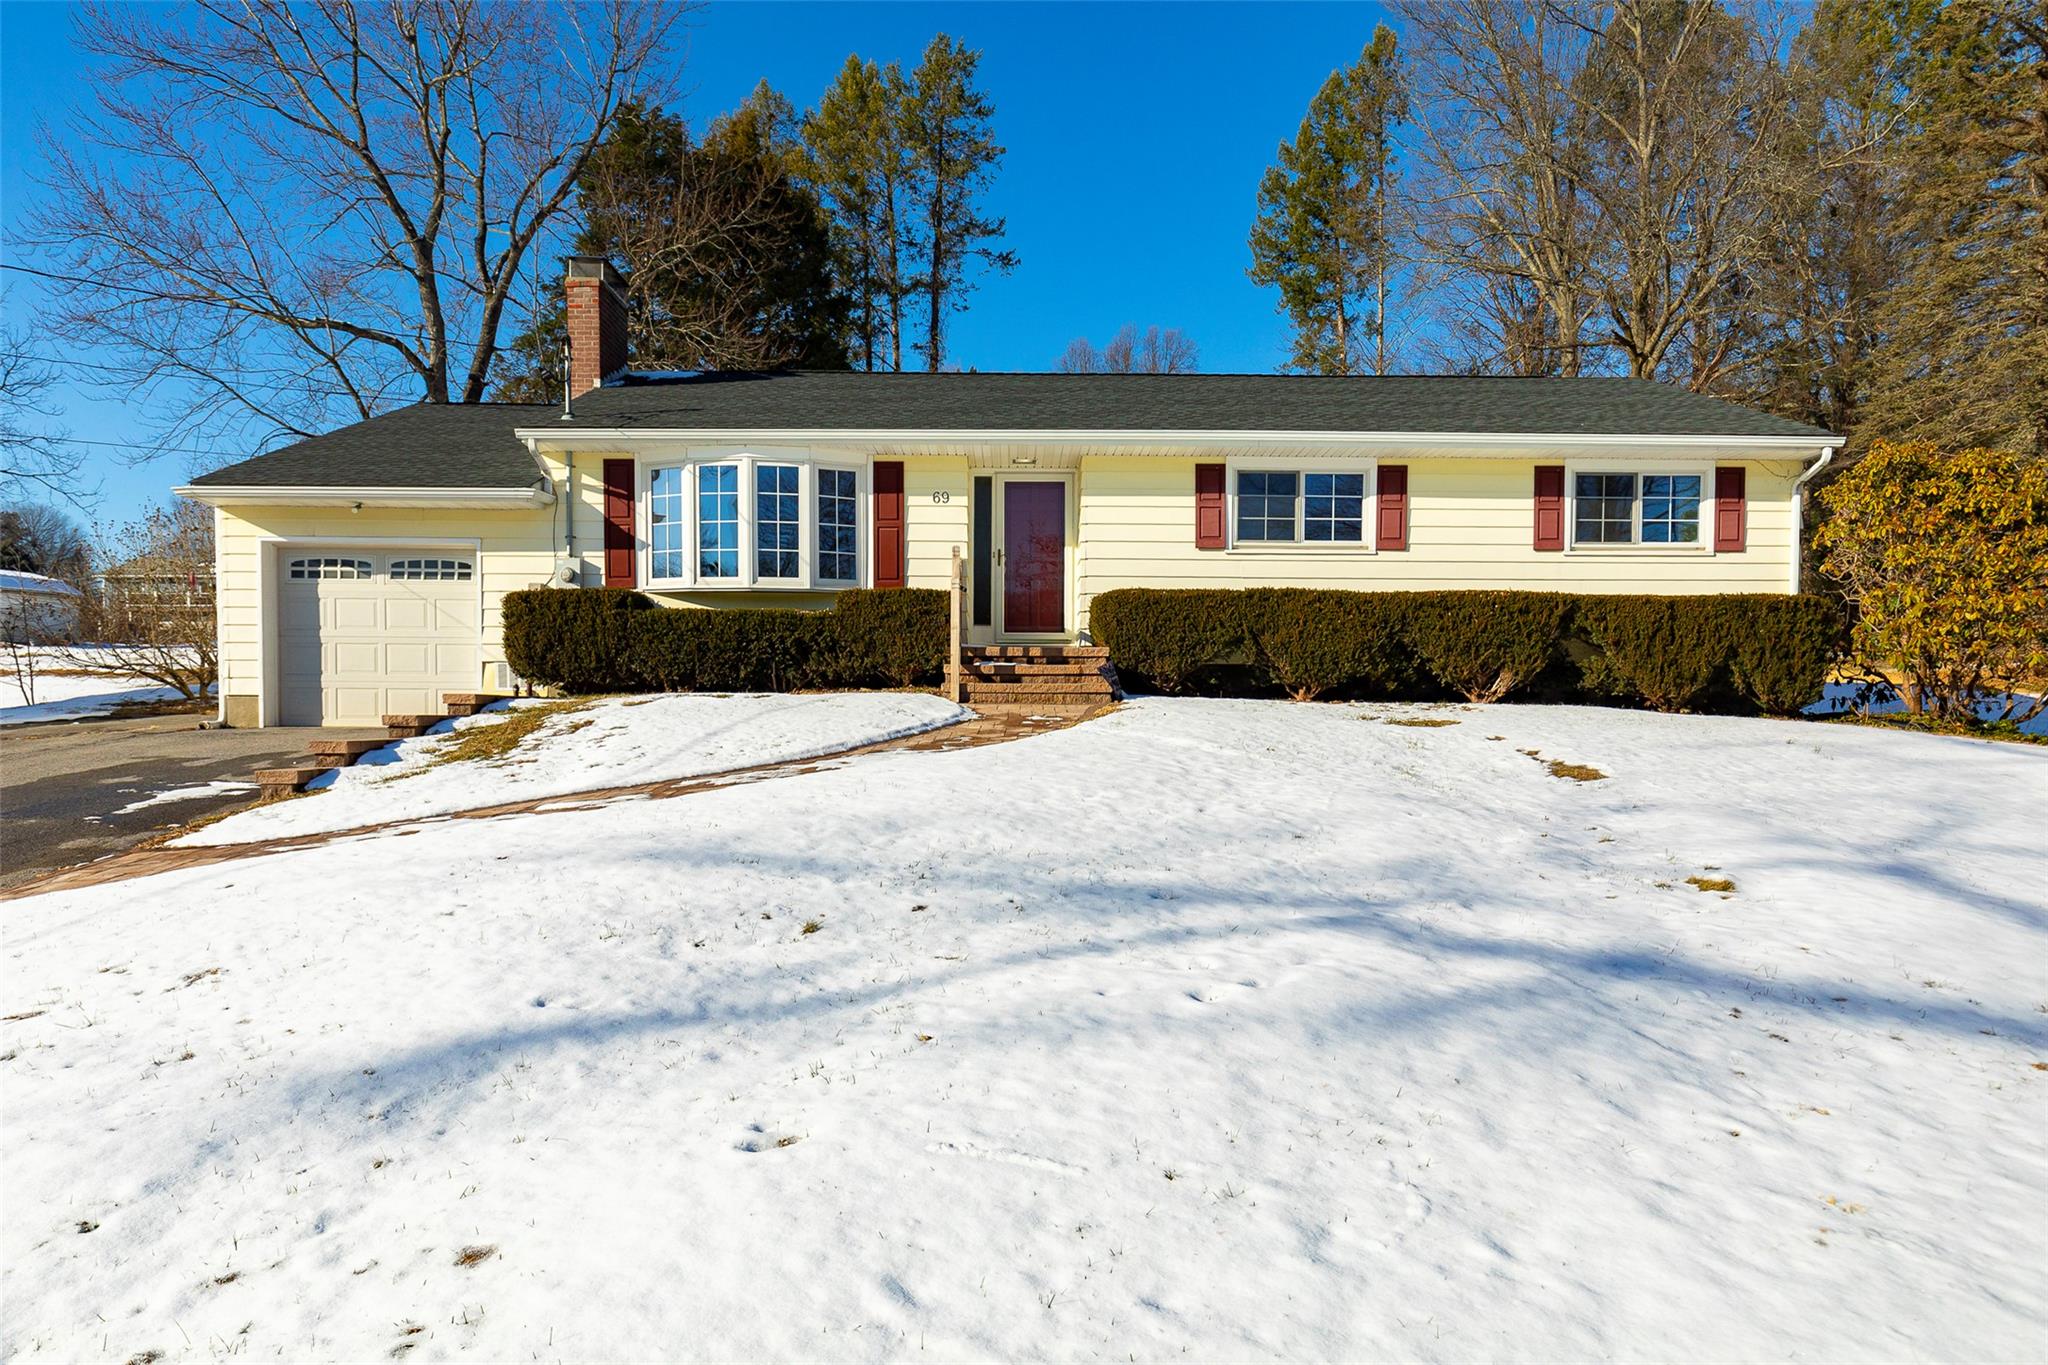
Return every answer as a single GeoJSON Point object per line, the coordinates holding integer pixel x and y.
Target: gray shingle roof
{"type": "Point", "coordinates": [1178, 402]}
{"type": "Point", "coordinates": [428, 445]}
{"type": "Point", "coordinates": [472, 446]}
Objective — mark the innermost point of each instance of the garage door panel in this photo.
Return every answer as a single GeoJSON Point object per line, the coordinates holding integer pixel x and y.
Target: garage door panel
{"type": "Point", "coordinates": [408, 659]}
{"type": "Point", "coordinates": [406, 613]}
{"type": "Point", "coordinates": [355, 613]}
{"type": "Point", "coordinates": [462, 615]}
{"type": "Point", "coordinates": [354, 649]}
{"type": "Point", "coordinates": [412, 701]}
{"type": "Point", "coordinates": [453, 659]}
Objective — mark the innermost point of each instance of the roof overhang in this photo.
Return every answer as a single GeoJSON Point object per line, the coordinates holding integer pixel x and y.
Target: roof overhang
{"type": "Point", "coordinates": [986, 443]}
{"type": "Point", "coordinates": [279, 495]}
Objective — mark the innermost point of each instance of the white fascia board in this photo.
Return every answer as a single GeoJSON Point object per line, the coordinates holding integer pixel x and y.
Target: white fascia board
{"type": "Point", "coordinates": [589, 438]}
{"type": "Point", "coordinates": [248, 495]}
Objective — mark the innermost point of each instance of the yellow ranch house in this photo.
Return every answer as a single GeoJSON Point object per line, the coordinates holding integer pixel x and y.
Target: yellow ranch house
{"type": "Point", "coordinates": [360, 572]}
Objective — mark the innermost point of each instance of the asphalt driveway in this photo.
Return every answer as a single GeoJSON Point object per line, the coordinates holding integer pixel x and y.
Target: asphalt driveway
{"type": "Point", "coordinates": [65, 788]}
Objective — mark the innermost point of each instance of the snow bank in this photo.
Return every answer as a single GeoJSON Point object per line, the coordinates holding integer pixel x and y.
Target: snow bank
{"type": "Point", "coordinates": [613, 742]}
{"type": "Point", "coordinates": [1203, 1030]}
{"type": "Point", "coordinates": [78, 693]}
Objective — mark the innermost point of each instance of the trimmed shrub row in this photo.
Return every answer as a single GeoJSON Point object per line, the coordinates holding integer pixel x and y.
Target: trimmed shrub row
{"type": "Point", "coordinates": [616, 640]}
{"type": "Point", "coordinates": [1741, 653]}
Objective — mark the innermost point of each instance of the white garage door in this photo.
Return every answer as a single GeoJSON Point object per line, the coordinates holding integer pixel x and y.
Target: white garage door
{"type": "Point", "coordinates": [363, 634]}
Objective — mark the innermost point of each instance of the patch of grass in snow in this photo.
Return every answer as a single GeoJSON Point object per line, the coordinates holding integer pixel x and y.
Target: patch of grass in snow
{"type": "Point", "coordinates": [495, 743]}
{"type": "Point", "coordinates": [1710, 883]}
{"type": "Point", "coordinates": [1419, 722]}
{"type": "Point", "coordinates": [1576, 772]}
{"type": "Point", "coordinates": [475, 1255]}
{"type": "Point", "coordinates": [812, 926]}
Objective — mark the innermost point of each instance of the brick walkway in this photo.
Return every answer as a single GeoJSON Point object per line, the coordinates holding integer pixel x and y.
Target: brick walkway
{"type": "Point", "coordinates": [982, 729]}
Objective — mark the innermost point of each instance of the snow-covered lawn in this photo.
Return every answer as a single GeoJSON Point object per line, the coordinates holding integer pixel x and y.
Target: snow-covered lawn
{"type": "Point", "coordinates": [612, 742]}
{"type": "Point", "coordinates": [1203, 1030]}
{"type": "Point", "coordinates": [79, 689]}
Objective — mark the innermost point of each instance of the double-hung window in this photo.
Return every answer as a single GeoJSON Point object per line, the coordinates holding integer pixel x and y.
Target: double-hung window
{"type": "Point", "coordinates": [1636, 509]}
{"type": "Point", "coordinates": [747, 521]}
{"type": "Point", "coordinates": [668, 525]}
{"type": "Point", "coordinates": [776, 527]}
{"type": "Point", "coordinates": [838, 530]}
{"type": "Point", "coordinates": [718, 521]}
{"type": "Point", "coordinates": [1297, 506]}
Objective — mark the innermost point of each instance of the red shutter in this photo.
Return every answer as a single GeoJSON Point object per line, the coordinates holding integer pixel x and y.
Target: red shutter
{"type": "Point", "coordinates": [1731, 519]}
{"type": "Point", "coordinates": [1391, 530]}
{"type": "Point", "coordinates": [1550, 507]}
{"type": "Point", "coordinates": [1210, 518]}
{"type": "Point", "coordinates": [889, 543]}
{"type": "Point", "coordinates": [618, 523]}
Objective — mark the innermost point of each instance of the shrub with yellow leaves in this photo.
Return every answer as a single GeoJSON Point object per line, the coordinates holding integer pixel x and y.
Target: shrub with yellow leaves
{"type": "Point", "coordinates": [1944, 555]}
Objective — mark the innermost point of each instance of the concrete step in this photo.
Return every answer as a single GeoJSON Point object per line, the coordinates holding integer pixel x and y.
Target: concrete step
{"type": "Point", "coordinates": [1039, 653]}
{"type": "Point", "coordinates": [1011, 668]}
{"type": "Point", "coordinates": [976, 694]}
{"type": "Point", "coordinates": [477, 701]}
{"type": "Point", "coordinates": [290, 779]}
{"type": "Point", "coordinates": [344, 751]}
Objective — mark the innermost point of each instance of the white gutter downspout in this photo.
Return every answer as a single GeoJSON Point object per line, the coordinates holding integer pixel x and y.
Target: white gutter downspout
{"type": "Point", "coordinates": [569, 504]}
{"type": "Point", "coordinates": [1827, 457]}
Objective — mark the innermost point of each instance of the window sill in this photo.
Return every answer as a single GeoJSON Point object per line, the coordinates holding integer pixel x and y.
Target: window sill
{"type": "Point", "coordinates": [1298, 549]}
{"type": "Point", "coordinates": [716, 585]}
{"type": "Point", "coordinates": [1654, 551]}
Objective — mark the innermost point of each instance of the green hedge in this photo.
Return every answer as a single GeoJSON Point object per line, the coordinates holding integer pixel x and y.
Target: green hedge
{"type": "Point", "coordinates": [1748, 653]}
{"type": "Point", "coordinates": [615, 640]}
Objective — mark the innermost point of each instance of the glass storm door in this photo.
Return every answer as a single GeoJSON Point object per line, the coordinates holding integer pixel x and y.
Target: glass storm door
{"type": "Point", "coordinates": [1034, 557]}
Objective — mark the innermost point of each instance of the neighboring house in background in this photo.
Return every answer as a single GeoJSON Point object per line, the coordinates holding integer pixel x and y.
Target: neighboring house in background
{"type": "Point", "coordinates": [361, 571]}
{"type": "Point", "coordinates": [157, 580]}
{"type": "Point", "coordinates": [35, 609]}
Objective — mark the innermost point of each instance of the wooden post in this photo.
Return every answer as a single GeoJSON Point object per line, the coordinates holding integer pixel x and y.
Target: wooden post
{"type": "Point", "coordinates": [956, 592]}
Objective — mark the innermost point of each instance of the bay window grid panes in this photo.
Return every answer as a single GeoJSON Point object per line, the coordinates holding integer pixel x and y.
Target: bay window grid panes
{"type": "Point", "coordinates": [776, 552]}
{"type": "Point", "coordinates": [718, 521]}
{"type": "Point", "coordinates": [1333, 507]}
{"type": "Point", "coordinates": [838, 546]}
{"type": "Point", "coordinates": [1265, 504]}
{"type": "Point", "coordinates": [1671, 509]}
{"type": "Point", "coordinates": [1604, 509]}
{"type": "Point", "coordinates": [668, 525]}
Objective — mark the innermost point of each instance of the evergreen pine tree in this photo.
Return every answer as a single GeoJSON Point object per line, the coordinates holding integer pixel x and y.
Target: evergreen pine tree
{"type": "Point", "coordinates": [1322, 232]}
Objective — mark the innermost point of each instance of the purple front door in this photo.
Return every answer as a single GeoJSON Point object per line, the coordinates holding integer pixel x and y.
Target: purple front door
{"type": "Point", "coordinates": [1034, 557]}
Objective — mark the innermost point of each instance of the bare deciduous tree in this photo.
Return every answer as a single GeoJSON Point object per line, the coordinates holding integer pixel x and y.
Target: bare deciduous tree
{"type": "Point", "coordinates": [1608, 171]}
{"type": "Point", "coordinates": [1130, 351]}
{"type": "Point", "coordinates": [33, 450]}
{"type": "Point", "coordinates": [150, 611]}
{"type": "Point", "coordinates": [283, 214]}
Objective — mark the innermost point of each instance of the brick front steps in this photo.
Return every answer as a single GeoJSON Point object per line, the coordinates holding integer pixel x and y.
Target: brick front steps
{"type": "Point", "coordinates": [1048, 679]}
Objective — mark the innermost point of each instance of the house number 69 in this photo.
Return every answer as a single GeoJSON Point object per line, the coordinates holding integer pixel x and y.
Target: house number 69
{"type": "Point", "coordinates": [942, 496]}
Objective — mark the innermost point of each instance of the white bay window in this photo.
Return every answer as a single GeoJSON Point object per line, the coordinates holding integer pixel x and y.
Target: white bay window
{"type": "Point", "coordinates": [743, 521]}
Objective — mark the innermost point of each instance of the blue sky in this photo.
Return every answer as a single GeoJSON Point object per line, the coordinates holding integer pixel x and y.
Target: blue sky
{"type": "Point", "coordinates": [1136, 135]}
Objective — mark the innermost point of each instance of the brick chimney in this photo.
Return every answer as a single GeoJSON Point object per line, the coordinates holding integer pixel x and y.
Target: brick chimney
{"type": "Point", "coordinates": [596, 297]}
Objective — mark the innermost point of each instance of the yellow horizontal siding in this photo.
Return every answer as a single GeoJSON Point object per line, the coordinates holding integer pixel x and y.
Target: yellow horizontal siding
{"type": "Point", "coordinates": [1470, 526]}
{"type": "Point", "coordinates": [931, 527]}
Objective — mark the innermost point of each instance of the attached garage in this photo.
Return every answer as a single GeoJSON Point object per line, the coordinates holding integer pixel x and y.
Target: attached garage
{"type": "Point", "coordinates": [362, 634]}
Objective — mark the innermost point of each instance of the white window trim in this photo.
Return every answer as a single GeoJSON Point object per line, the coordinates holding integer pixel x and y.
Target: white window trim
{"type": "Point", "coordinates": [1365, 545]}
{"type": "Point", "coordinates": [862, 511]}
{"type": "Point", "coordinates": [749, 579]}
{"type": "Point", "coordinates": [1637, 467]}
